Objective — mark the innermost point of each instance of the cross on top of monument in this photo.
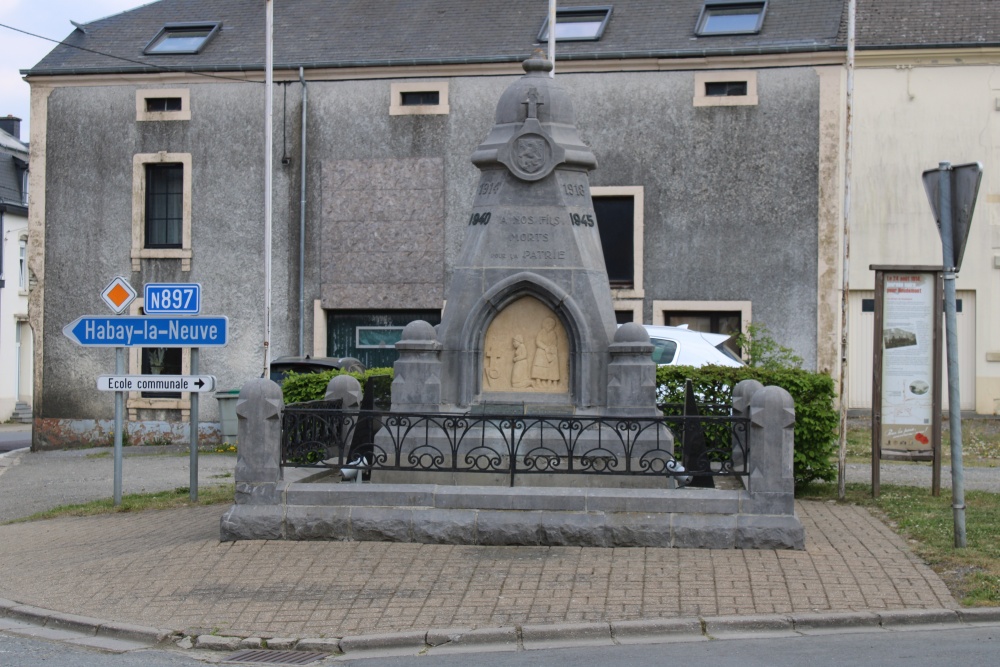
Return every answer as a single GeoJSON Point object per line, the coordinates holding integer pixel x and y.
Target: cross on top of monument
{"type": "Point", "coordinates": [533, 103]}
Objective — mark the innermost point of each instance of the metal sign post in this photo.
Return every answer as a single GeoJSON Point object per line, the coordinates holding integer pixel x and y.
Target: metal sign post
{"type": "Point", "coordinates": [193, 454]}
{"type": "Point", "coordinates": [119, 425]}
{"type": "Point", "coordinates": [172, 321]}
{"type": "Point", "coordinates": [954, 215]}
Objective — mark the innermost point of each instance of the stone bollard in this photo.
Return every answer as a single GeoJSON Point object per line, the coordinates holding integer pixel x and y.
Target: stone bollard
{"type": "Point", "coordinates": [347, 390]}
{"type": "Point", "coordinates": [742, 394]}
{"type": "Point", "coordinates": [257, 511]}
{"type": "Point", "coordinates": [772, 437]}
{"type": "Point", "coordinates": [416, 385]}
{"type": "Point", "coordinates": [767, 519]}
{"type": "Point", "coordinates": [258, 411]}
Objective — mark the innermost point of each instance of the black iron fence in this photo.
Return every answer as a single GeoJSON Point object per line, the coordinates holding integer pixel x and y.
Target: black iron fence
{"type": "Point", "coordinates": [687, 447]}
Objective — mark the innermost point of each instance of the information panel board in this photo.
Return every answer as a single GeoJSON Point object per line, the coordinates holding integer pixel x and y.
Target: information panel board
{"type": "Point", "coordinates": [906, 383]}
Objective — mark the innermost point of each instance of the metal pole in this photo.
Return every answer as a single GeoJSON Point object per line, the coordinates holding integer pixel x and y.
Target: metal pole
{"type": "Point", "coordinates": [845, 278]}
{"type": "Point", "coordinates": [951, 338]}
{"type": "Point", "coordinates": [119, 424]}
{"type": "Point", "coordinates": [302, 222]}
{"type": "Point", "coordinates": [552, 37]}
{"type": "Point", "coordinates": [268, 141]}
{"type": "Point", "coordinates": [193, 463]}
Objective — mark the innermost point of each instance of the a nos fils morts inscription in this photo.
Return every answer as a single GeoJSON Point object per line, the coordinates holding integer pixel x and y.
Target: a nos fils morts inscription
{"type": "Point", "coordinates": [526, 349]}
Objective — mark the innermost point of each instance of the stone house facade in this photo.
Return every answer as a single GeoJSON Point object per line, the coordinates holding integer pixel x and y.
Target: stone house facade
{"type": "Point", "coordinates": [717, 127]}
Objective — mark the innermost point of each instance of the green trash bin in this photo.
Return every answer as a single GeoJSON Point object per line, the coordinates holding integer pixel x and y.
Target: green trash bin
{"type": "Point", "coordinates": [227, 414]}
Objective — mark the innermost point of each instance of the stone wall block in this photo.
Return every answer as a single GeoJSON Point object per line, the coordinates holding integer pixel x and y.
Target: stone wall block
{"type": "Point", "coordinates": [258, 410]}
{"type": "Point", "coordinates": [772, 434]}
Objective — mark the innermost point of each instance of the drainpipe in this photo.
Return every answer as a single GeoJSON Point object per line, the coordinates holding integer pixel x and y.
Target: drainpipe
{"type": "Point", "coordinates": [302, 221]}
{"type": "Point", "coordinates": [845, 294]}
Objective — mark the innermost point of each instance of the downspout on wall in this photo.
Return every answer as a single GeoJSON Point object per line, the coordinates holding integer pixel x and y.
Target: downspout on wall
{"type": "Point", "coordinates": [302, 221]}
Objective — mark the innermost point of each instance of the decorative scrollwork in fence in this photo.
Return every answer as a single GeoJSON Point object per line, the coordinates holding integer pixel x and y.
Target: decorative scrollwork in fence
{"type": "Point", "coordinates": [317, 435]}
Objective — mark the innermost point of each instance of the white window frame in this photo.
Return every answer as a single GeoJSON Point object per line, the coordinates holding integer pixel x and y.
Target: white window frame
{"type": "Point", "coordinates": [732, 76]}
{"type": "Point", "coordinates": [22, 264]}
{"type": "Point", "coordinates": [140, 104]}
{"type": "Point", "coordinates": [638, 197]}
{"type": "Point", "coordinates": [139, 251]}
{"type": "Point", "coordinates": [396, 90]}
{"type": "Point", "coordinates": [745, 309]}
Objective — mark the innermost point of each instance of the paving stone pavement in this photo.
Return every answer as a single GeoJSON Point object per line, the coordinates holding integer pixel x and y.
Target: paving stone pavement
{"type": "Point", "coordinates": [167, 569]}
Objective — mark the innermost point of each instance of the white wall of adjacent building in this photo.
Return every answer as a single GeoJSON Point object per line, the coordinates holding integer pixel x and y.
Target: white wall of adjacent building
{"type": "Point", "coordinates": [912, 111]}
{"type": "Point", "coordinates": [15, 333]}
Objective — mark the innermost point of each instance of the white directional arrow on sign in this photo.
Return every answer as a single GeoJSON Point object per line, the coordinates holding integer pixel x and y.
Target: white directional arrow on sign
{"type": "Point", "coordinates": [198, 384]}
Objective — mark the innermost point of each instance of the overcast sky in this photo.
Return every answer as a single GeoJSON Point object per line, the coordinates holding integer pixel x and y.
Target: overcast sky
{"type": "Point", "coordinates": [48, 18]}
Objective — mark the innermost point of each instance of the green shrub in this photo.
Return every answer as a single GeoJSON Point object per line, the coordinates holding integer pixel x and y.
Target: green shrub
{"type": "Point", "coordinates": [815, 418]}
{"type": "Point", "coordinates": [300, 387]}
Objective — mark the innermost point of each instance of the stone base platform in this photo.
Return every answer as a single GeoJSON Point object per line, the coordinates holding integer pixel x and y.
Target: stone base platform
{"type": "Point", "coordinates": [589, 517]}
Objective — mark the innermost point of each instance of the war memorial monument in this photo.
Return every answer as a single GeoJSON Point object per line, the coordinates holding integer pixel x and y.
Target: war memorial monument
{"type": "Point", "coordinates": [527, 416]}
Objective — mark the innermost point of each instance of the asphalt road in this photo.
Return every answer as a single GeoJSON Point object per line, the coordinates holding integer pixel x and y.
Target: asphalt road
{"type": "Point", "coordinates": [15, 437]}
{"type": "Point", "coordinates": [35, 481]}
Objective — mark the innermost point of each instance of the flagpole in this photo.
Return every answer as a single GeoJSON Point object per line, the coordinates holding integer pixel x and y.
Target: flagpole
{"type": "Point", "coordinates": [268, 150]}
{"type": "Point", "coordinates": [552, 37]}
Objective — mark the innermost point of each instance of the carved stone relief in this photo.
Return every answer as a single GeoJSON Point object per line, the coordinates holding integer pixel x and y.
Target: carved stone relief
{"type": "Point", "coordinates": [526, 349]}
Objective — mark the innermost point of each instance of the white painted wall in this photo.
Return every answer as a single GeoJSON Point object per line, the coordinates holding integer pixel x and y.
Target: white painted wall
{"type": "Point", "coordinates": [15, 365]}
{"type": "Point", "coordinates": [913, 110]}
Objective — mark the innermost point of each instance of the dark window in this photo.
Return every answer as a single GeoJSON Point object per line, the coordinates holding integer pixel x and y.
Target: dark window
{"type": "Point", "coordinates": [616, 224]}
{"type": "Point", "coordinates": [624, 316]}
{"type": "Point", "coordinates": [161, 361]}
{"type": "Point", "coordinates": [711, 321]}
{"type": "Point", "coordinates": [181, 38]}
{"type": "Point", "coordinates": [577, 24]}
{"type": "Point", "coordinates": [867, 305]}
{"type": "Point", "coordinates": [163, 104]}
{"type": "Point", "coordinates": [725, 88]}
{"type": "Point", "coordinates": [729, 17]}
{"type": "Point", "coordinates": [370, 335]}
{"type": "Point", "coordinates": [164, 205]}
{"type": "Point", "coordinates": [420, 98]}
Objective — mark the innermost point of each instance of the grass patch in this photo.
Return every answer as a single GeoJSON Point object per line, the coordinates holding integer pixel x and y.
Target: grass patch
{"type": "Point", "coordinates": [980, 442]}
{"type": "Point", "coordinates": [971, 574]}
{"type": "Point", "coordinates": [139, 502]}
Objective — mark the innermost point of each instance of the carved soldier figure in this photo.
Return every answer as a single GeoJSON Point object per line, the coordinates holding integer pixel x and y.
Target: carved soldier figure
{"type": "Point", "coordinates": [545, 368]}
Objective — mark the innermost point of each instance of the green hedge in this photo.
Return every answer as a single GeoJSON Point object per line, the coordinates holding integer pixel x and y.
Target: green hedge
{"type": "Point", "coordinates": [815, 418]}
{"type": "Point", "coordinates": [300, 387]}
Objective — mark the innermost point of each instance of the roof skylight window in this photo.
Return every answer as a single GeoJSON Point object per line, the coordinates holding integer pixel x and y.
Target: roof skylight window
{"type": "Point", "coordinates": [182, 38]}
{"type": "Point", "coordinates": [726, 17]}
{"type": "Point", "coordinates": [577, 24]}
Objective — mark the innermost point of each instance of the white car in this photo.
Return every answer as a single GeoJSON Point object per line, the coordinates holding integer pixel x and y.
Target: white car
{"type": "Point", "coordinates": [680, 346]}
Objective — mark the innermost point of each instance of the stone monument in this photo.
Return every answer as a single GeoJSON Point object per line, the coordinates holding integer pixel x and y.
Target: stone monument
{"type": "Point", "coordinates": [529, 325]}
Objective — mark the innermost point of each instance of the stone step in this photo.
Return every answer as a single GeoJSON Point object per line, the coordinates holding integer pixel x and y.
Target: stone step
{"type": "Point", "coordinates": [21, 414]}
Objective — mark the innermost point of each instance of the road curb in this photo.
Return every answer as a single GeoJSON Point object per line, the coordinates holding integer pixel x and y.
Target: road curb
{"type": "Point", "coordinates": [84, 625]}
{"type": "Point", "coordinates": [528, 637]}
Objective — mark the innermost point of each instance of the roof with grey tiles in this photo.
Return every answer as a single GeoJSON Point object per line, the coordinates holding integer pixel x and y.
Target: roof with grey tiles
{"type": "Point", "coordinates": [342, 33]}
{"type": "Point", "coordinates": [927, 23]}
{"type": "Point", "coordinates": [13, 161]}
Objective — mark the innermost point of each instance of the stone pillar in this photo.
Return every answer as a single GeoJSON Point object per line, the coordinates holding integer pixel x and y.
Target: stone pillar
{"type": "Point", "coordinates": [772, 438]}
{"type": "Point", "coordinates": [742, 394]}
{"type": "Point", "coordinates": [416, 385]}
{"type": "Point", "coordinates": [346, 389]}
{"type": "Point", "coordinates": [257, 512]}
{"type": "Point", "coordinates": [631, 373]}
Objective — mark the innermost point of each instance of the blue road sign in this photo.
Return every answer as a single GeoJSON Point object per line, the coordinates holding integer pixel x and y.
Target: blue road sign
{"type": "Point", "coordinates": [150, 331]}
{"type": "Point", "coordinates": [172, 298]}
